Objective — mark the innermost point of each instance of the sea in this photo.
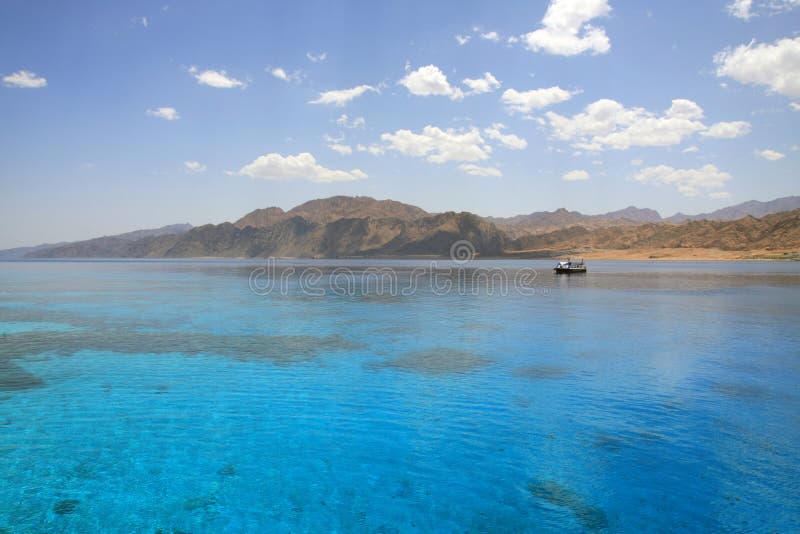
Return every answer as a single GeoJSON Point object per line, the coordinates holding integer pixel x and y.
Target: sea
{"type": "Point", "coordinates": [413, 395]}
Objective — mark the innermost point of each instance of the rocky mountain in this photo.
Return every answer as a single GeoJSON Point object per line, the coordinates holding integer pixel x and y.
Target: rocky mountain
{"type": "Point", "coordinates": [331, 209]}
{"type": "Point", "coordinates": [754, 208]}
{"type": "Point", "coordinates": [542, 222]}
{"type": "Point", "coordinates": [632, 213]}
{"type": "Point", "coordinates": [21, 252]}
{"type": "Point", "coordinates": [299, 237]}
{"type": "Point", "coordinates": [776, 231]}
{"type": "Point", "coordinates": [115, 246]}
{"type": "Point", "coordinates": [363, 226]}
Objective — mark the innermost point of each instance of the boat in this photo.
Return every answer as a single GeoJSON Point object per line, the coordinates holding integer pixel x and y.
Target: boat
{"type": "Point", "coordinates": [570, 267]}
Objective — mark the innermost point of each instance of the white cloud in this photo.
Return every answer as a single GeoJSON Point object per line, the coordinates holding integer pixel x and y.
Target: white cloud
{"type": "Point", "coordinates": [727, 130]}
{"type": "Point", "coordinates": [574, 176]}
{"type": "Point", "coordinates": [747, 9]}
{"type": "Point", "coordinates": [607, 124]}
{"type": "Point", "coordinates": [462, 39]}
{"type": "Point", "coordinates": [507, 140]}
{"type": "Point", "coordinates": [527, 101]}
{"type": "Point", "coordinates": [690, 149]}
{"type": "Point", "coordinates": [637, 162]}
{"type": "Point", "coordinates": [169, 114]}
{"type": "Point", "coordinates": [486, 84]}
{"type": "Point", "coordinates": [740, 9]}
{"type": "Point", "coordinates": [194, 166]}
{"type": "Point", "coordinates": [24, 79]}
{"type": "Point", "coordinates": [775, 65]}
{"type": "Point", "coordinates": [795, 106]}
{"type": "Point", "coordinates": [375, 150]}
{"type": "Point", "coordinates": [771, 155]}
{"type": "Point", "coordinates": [478, 170]}
{"type": "Point", "coordinates": [688, 182]}
{"type": "Point", "coordinates": [491, 36]}
{"type": "Point", "coordinates": [566, 30]}
{"type": "Point", "coordinates": [346, 122]}
{"type": "Point", "coordinates": [430, 81]}
{"type": "Point", "coordinates": [303, 166]}
{"type": "Point", "coordinates": [281, 74]}
{"type": "Point", "coordinates": [145, 23]}
{"type": "Point", "coordinates": [343, 96]}
{"type": "Point", "coordinates": [439, 146]}
{"type": "Point", "coordinates": [214, 78]}
{"type": "Point", "coordinates": [344, 150]}
{"type": "Point", "coordinates": [316, 58]}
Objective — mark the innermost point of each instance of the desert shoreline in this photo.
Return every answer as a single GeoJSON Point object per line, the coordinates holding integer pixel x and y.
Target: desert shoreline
{"type": "Point", "coordinates": [654, 254]}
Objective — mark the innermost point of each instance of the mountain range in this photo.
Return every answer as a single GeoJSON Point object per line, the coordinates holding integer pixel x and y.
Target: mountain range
{"type": "Point", "coordinates": [362, 226]}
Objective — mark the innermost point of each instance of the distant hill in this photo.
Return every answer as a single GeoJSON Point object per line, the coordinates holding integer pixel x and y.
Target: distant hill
{"type": "Point", "coordinates": [754, 208]}
{"type": "Point", "coordinates": [775, 231]}
{"type": "Point", "coordinates": [548, 221]}
{"type": "Point", "coordinates": [331, 209]}
{"type": "Point", "coordinates": [21, 252]}
{"type": "Point", "coordinates": [115, 246]}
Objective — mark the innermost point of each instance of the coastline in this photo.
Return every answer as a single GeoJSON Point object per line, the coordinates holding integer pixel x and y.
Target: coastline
{"type": "Point", "coordinates": [645, 254]}
{"type": "Point", "coordinates": [664, 254]}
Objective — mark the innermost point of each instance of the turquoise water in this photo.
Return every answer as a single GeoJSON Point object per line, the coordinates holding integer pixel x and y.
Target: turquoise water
{"type": "Point", "coordinates": [643, 396]}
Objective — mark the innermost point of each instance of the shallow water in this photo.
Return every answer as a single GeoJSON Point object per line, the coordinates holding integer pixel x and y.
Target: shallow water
{"type": "Point", "coordinates": [138, 396]}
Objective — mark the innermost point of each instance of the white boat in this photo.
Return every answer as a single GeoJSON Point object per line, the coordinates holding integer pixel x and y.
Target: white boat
{"type": "Point", "coordinates": [570, 267]}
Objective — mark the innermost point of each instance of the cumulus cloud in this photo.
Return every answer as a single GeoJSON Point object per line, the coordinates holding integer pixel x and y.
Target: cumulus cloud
{"type": "Point", "coordinates": [214, 78]}
{"type": "Point", "coordinates": [795, 106]}
{"type": "Point", "coordinates": [346, 122]}
{"type": "Point", "coordinates": [566, 30]}
{"type": "Point", "coordinates": [507, 140]}
{"type": "Point", "coordinates": [527, 101]}
{"type": "Point", "coordinates": [491, 36]}
{"type": "Point", "coordinates": [771, 155]}
{"type": "Point", "coordinates": [24, 79]}
{"type": "Point", "coordinates": [688, 182]}
{"type": "Point", "coordinates": [303, 166]}
{"type": "Point", "coordinates": [316, 58]}
{"type": "Point", "coordinates": [343, 96]}
{"type": "Point", "coordinates": [727, 130]}
{"type": "Point", "coordinates": [439, 146]}
{"type": "Point", "coordinates": [169, 114]}
{"type": "Point", "coordinates": [478, 170]}
{"type": "Point", "coordinates": [574, 176]}
{"type": "Point", "coordinates": [462, 39]}
{"type": "Point", "coordinates": [775, 65]}
{"type": "Point", "coordinates": [637, 162]}
{"type": "Point", "coordinates": [430, 81]}
{"type": "Point", "coordinates": [690, 149]}
{"type": "Point", "coordinates": [194, 166]}
{"type": "Point", "coordinates": [486, 84]}
{"type": "Point", "coordinates": [607, 124]}
{"type": "Point", "coordinates": [281, 74]}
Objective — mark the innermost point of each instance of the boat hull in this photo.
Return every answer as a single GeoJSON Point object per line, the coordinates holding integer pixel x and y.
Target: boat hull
{"type": "Point", "coordinates": [578, 270]}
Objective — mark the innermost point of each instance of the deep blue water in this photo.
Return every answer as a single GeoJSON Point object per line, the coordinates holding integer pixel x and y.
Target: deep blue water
{"type": "Point", "coordinates": [643, 396]}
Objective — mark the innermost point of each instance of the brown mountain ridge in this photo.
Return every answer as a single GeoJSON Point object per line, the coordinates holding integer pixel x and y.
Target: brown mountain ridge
{"type": "Point", "coordinates": [362, 226]}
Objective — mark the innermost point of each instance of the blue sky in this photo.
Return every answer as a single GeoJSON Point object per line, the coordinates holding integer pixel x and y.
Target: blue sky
{"type": "Point", "coordinates": [118, 116]}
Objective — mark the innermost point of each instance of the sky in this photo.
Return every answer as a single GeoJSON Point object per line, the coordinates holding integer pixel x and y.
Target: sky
{"type": "Point", "coordinates": [119, 116]}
